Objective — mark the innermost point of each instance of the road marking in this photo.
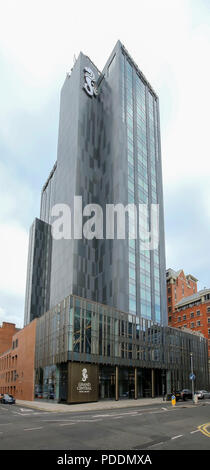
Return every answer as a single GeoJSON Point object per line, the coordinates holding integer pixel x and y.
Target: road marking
{"type": "Point", "coordinates": [108, 415]}
{"type": "Point", "coordinates": [24, 410]}
{"type": "Point", "coordinates": [28, 414]}
{"type": "Point", "coordinates": [58, 420]}
{"type": "Point", "coordinates": [157, 444]}
{"type": "Point", "coordinates": [88, 420]}
{"type": "Point", "coordinates": [203, 429]}
{"type": "Point", "coordinates": [32, 429]}
{"type": "Point", "coordinates": [177, 437]}
{"type": "Point", "coordinates": [193, 432]}
{"type": "Point", "coordinates": [67, 424]}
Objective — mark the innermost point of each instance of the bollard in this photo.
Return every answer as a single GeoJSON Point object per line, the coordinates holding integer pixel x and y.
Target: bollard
{"type": "Point", "coordinates": [195, 399]}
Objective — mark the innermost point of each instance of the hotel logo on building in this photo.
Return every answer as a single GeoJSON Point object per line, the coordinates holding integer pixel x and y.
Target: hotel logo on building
{"type": "Point", "coordinates": [90, 82]}
{"type": "Point", "coordinates": [82, 382]}
{"type": "Point", "coordinates": [84, 386]}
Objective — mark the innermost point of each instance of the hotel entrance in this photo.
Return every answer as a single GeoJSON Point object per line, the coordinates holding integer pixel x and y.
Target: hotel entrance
{"type": "Point", "coordinates": [107, 383]}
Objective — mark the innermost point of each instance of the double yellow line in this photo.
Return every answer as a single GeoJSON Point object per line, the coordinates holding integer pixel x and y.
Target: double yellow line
{"type": "Point", "coordinates": [203, 429]}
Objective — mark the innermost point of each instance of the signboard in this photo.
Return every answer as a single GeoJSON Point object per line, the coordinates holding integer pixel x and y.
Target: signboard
{"type": "Point", "coordinates": [90, 82]}
{"type": "Point", "coordinates": [192, 376]}
{"type": "Point", "coordinates": [82, 382]}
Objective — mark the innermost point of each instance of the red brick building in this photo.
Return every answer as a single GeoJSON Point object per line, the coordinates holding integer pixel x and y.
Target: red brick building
{"type": "Point", "coordinates": [7, 330]}
{"type": "Point", "coordinates": [17, 364]}
{"type": "Point", "coordinates": [179, 286]}
{"type": "Point", "coordinates": [188, 308]}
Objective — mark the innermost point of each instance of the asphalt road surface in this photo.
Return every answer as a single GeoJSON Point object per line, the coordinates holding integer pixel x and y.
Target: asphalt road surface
{"type": "Point", "coordinates": [158, 427]}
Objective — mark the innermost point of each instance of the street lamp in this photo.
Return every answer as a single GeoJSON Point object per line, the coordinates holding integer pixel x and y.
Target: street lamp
{"type": "Point", "coordinates": [192, 375]}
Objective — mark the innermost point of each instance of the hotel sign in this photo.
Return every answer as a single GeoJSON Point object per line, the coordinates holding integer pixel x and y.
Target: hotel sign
{"type": "Point", "coordinates": [82, 382]}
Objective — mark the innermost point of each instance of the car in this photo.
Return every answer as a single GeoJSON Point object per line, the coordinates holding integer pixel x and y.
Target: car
{"type": "Point", "coordinates": [177, 395]}
{"type": "Point", "coordinates": [186, 394]}
{"type": "Point", "coordinates": [1, 397]}
{"type": "Point", "coordinates": [8, 399]}
{"type": "Point", "coordinates": [201, 394]}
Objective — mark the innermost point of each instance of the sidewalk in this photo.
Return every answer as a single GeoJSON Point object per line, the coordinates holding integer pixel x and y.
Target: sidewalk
{"type": "Point", "coordinates": [100, 405]}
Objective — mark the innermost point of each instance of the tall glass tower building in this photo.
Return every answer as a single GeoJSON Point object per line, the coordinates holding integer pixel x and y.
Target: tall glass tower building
{"type": "Point", "coordinates": [101, 301]}
{"type": "Point", "coordinates": [108, 153]}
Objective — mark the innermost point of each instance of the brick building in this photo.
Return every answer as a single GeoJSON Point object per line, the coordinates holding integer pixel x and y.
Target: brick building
{"type": "Point", "coordinates": [188, 308]}
{"type": "Point", "coordinates": [7, 330]}
{"type": "Point", "coordinates": [17, 364]}
{"type": "Point", "coordinates": [179, 286]}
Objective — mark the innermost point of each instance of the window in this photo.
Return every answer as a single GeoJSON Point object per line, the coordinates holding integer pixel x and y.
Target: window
{"type": "Point", "coordinates": [192, 315]}
{"type": "Point", "coordinates": [209, 332]}
{"type": "Point", "coordinates": [198, 323]}
{"type": "Point", "coordinates": [209, 320]}
{"type": "Point", "coordinates": [208, 309]}
{"type": "Point", "coordinates": [169, 319]}
{"type": "Point", "coordinates": [198, 313]}
{"type": "Point", "coordinates": [169, 300]}
{"type": "Point", "coordinates": [184, 317]}
{"type": "Point", "coordinates": [179, 319]}
{"type": "Point", "coordinates": [192, 325]}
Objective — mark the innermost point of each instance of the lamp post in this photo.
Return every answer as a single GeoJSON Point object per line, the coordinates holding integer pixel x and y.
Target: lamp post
{"type": "Point", "coordinates": [192, 374]}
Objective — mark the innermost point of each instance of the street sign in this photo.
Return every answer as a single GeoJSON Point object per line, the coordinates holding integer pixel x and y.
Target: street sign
{"type": "Point", "coordinates": [192, 376]}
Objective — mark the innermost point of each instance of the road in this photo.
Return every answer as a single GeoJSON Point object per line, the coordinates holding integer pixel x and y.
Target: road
{"type": "Point", "coordinates": [158, 427]}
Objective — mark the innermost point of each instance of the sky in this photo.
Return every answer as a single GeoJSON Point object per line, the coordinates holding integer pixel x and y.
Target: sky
{"type": "Point", "coordinates": [170, 42]}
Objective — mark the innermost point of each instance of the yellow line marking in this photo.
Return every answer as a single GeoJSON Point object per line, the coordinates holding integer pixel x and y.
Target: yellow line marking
{"type": "Point", "coordinates": [204, 430]}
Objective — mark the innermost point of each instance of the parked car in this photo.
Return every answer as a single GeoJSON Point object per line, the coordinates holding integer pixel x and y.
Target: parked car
{"type": "Point", "coordinates": [186, 394]}
{"type": "Point", "coordinates": [8, 399]}
{"type": "Point", "coordinates": [1, 397]}
{"type": "Point", "coordinates": [201, 394]}
{"type": "Point", "coordinates": [177, 394]}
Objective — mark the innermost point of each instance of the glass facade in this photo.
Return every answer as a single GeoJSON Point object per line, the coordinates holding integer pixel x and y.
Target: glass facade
{"type": "Point", "coordinates": [139, 113]}
{"type": "Point", "coordinates": [38, 271]}
{"type": "Point", "coordinates": [78, 330]}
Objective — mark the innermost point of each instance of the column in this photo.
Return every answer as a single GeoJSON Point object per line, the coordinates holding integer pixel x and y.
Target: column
{"type": "Point", "coordinates": [57, 384]}
{"type": "Point", "coordinates": [135, 384]}
{"type": "Point", "coordinates": [153, 383]}
{"type": "Point", "coordinates": [168, 381]}
{"type": "Point", "coordinates": [116, 383]}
